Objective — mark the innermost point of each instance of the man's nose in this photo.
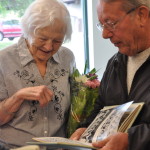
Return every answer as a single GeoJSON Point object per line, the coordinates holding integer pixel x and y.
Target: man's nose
{"type": "Point", "coordinates": [48, 44]}
{"type": "Point", "coordinates": [107, 33]}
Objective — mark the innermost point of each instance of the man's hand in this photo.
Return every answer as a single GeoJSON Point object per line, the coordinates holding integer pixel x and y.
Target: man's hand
{"type": "Point", "coordinates": [76, 135]}
{"type": "Point", "coordinates": [118, 141]}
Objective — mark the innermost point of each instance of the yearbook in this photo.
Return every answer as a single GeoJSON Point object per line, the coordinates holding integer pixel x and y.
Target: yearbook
{"type": "Point", "coordinates": [109, 120]}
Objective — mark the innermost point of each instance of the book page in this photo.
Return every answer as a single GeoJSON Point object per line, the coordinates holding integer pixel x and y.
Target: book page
{"type": "Point", "coordinates": [105, 124]}
{"type": "Point", "coordinates": [130, 116]}
{"type": "Point", "coordinates": [60, 140]}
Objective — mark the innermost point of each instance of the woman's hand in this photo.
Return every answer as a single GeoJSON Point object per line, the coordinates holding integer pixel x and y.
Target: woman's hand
{"type": "Point", "coordinates": [9, 106]}
{"type": "Point", "coordinates": [39, 93]}
{"type": "Point", "coordinates": [118, 141]}
{"type": "Point", "coordinates": [76, 135]}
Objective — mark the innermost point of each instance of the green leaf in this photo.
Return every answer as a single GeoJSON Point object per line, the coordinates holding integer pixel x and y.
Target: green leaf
{"type": "Point", "coordinates": [76, 73]}
{"type": "Point", "coordinates": [85, 67]}
{"type": "Point", "coordinates": [93, 77]}
{"type": "Point", "coordinates": [93, 71]}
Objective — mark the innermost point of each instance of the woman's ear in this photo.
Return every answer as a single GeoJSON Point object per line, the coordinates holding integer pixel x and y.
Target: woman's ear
{"type": "Point", "coordinates": [143, 14]}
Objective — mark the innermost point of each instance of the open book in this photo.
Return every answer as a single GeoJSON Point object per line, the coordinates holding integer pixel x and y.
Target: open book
{"type": "Point", "coordinates": [109, 120]}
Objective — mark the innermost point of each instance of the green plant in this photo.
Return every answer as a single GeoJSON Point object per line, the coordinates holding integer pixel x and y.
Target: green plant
{"type": "Point", "coordinates": [5, 44]}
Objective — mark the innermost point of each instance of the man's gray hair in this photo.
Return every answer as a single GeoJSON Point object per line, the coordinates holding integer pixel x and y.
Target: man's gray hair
{"type": "Point", "coordinates": [42, 13]}
{"type": "Point", "coordinates": [137, 3]}
{"type": "Point", "coordinates": [140, 2]}
{"type": "Point", "coordinates": [128, 4]}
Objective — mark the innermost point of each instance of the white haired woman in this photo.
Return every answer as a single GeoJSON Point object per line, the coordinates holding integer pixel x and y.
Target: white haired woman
{"type": "Point", "coordinates": [34, 76]}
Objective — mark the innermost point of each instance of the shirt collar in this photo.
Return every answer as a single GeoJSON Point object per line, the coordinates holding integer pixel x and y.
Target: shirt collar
{"type": "Point", "coordinates": [56, 57]}
{"type": "Point", "coordinates": [25, 55]}
{"type": "Point", "coordinates": [142, 55]}
{"type": "Point", "coordinates": [125, 57]}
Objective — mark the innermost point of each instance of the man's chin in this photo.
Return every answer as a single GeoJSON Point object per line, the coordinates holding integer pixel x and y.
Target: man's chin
{"type": "Point", "coordinates": [123, 51]}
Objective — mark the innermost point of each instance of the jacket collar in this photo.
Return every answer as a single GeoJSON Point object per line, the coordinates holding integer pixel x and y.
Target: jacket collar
{"type": "Point", "coordinates": [121, 57]}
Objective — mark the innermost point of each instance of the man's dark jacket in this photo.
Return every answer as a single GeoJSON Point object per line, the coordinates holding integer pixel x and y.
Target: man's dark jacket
{"type": "Point", "coordinates": [113, 91]}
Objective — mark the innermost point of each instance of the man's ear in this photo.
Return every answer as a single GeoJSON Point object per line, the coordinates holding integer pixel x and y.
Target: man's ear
{"type": "Point", "coordinates": [143, 14]}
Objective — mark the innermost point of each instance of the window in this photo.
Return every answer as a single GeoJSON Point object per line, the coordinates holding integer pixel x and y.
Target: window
{"type": "Point", "coordinates": [77, 44]}
{"type": "Point", "coordinates": [10, 14]}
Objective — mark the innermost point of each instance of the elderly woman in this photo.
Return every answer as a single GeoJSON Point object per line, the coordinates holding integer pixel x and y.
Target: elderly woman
{"type": "Point", "coordinates": [34, 76]}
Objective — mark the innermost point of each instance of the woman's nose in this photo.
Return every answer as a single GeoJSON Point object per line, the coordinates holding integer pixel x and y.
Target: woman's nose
{"type": "Point", "coordinates": [48, 45]}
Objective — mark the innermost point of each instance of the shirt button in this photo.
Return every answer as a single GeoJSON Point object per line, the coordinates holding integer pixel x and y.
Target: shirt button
{"type": "Point", "coordinates": [45, 132]}
{"type": "Point", "coordinates": [45, 118]}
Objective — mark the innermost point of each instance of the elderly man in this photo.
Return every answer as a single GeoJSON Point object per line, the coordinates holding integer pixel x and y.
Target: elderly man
{"type": "Point", "coordinates": [127, 77]}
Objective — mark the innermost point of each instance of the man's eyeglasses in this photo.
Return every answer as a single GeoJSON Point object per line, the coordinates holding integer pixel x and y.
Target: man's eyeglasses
{"type": "Point", "coordinates": [111, 26]}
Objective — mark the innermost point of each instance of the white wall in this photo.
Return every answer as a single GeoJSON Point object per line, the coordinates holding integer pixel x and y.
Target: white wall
{"type": "Point", "coordinates": [100, 50]}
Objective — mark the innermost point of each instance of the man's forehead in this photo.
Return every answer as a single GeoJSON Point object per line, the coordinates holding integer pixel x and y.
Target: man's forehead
{"type": "Point", "coordinates": [109, 7]}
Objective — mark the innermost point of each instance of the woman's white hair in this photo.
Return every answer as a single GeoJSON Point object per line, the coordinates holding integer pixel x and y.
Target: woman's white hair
{"type": "Point", "coordinates": [42, 13]}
